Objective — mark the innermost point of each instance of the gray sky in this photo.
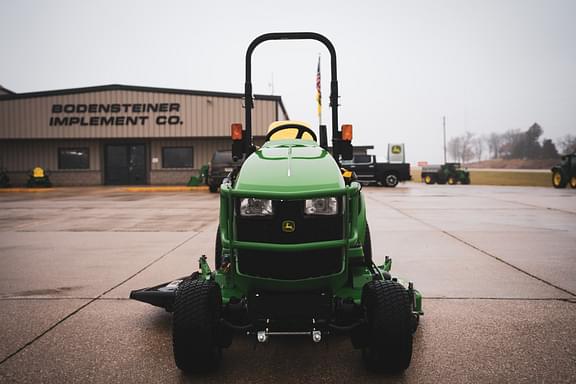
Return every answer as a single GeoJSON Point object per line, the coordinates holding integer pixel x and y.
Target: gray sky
{"type": "Point", "coordinates": [488, 65]}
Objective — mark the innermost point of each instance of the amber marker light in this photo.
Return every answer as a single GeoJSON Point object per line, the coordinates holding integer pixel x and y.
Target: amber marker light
{"type": "Point", "coordinates": [347, 132]}
{"type": "Point", "coordinates": [236, 131]}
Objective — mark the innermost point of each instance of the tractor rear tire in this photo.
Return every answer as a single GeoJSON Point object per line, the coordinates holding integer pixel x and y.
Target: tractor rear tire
{"type": "Point", "coordinates": [391, 180]}
{"type": "Point", "coordinates": [558, 179]}
{"type": "Point", "coordinates": [573, 182]}
{"type": "Point", "coordinates": [390, 324]}
{"type": "Point", "coordinates": [195, 339]}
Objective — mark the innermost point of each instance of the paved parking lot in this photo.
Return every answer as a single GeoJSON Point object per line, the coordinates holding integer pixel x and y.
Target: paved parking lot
{"type": "Point", "coordinates": [497, 267]}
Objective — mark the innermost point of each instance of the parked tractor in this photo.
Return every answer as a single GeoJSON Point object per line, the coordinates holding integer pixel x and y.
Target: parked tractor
{"type": "Point", "coordinates": [293, 255]}
{"type": "Point", "coordinates": [38, 178]}
{"type": "Point", "coordinates": [565, 172]}
{"type": "Point", "coordinates": [4, 179]}
{"type": "Point", "coordinates": [451, 173]}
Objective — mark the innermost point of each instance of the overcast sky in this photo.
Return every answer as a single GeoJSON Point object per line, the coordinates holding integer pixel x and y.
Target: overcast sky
{"type": "Point", "coordinates": [488, 65]}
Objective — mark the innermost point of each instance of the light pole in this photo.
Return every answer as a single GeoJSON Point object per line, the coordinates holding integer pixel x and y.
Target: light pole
{"type": "Point", "coordinates": [444, 130]}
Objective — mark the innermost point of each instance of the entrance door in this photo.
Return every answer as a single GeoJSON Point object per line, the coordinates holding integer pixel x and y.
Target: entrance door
{"type": "Point", "coordinates": [125, 164]}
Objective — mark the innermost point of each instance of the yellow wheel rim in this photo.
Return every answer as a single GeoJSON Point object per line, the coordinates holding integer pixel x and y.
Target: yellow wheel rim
{"type": "Point", "coordinates": [573, 182]}
{"type": "Point", "coordinates": [450, 181]}
{"type": "Point", "coordinates": [557, 179]}
{"type": "Point", "coordinates": [428, 179]}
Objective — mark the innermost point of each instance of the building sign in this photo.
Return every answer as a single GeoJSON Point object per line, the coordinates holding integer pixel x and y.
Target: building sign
{"type": "Point", "coordinates": [396, 153]}
{"type": "Point", "coordinates": [68, 115]}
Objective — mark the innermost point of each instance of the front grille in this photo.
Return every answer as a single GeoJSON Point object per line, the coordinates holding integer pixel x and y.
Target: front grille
{"type": "Point", "coordinates": [290, 265]}
{"type": "Point", "coordinates": [307, 228]}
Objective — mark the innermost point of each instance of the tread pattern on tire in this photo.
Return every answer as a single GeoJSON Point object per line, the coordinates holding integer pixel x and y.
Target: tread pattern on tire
{"type": "Point", "coordinates": [194, 334]}
{"type": "Point", "coordinates": [390, 326]}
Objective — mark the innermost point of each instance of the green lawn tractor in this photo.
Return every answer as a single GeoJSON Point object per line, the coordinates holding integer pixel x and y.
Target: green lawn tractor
{"type": "Point", "coordinates": [451, 173]}
{"type": "Point", "coordinates": [565, 172]}
{"type": "Point", "coordinates": [201, 179]}
{"type": "Point", "coordinates": [293, 255]}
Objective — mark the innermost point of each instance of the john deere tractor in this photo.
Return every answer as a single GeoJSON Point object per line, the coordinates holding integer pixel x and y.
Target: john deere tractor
{"type": "Point", "coordinates": [565, 172]}
{"type": "Point", "coordinates": [451, 173]}
{"type": "Point", "coordinates": [293, 255]}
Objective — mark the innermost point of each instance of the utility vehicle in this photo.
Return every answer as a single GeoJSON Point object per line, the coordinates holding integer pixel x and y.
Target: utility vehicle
{"type": "Point", "coordinates": [293, 255]}
{"type": "Point", "coordinates": [368, 170]}
{"type": "Point", "coordinates": [565, 172]}
{"type": "Point", "coordinates": [220, 167]}
{"type": "Point", "coordinates": [451, 173]}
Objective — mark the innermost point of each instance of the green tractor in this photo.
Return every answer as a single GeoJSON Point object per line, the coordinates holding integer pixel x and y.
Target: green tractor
{"type": "Point", "coordinates": [451, 173]}
{"type": "Point", "coordinates": [38, 178]}
{"type": "Point", "coordinates": [4, 179]}
{"type": "Point", "coordinates": [565, 172]}
{"type": "Point", "coordinates": [293, 255]}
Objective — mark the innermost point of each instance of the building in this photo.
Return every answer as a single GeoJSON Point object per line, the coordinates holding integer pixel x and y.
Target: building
{"type": "Point", "coordinates": [118, 134]}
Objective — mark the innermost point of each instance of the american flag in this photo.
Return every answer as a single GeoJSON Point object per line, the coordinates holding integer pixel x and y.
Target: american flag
{"type": "Point", "coordinates": [319, 92]}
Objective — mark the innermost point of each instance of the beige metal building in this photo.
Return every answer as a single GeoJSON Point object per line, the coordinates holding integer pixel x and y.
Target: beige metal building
{"type": "Point", "coordinates": [118, 134]}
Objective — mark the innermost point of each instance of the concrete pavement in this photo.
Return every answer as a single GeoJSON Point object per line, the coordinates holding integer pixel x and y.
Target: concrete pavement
{"type": "Point", "coordinates": [496, 266]}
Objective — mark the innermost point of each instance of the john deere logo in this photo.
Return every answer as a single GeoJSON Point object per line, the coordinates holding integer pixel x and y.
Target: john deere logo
{"type": "Point", "coordinates": [396, 149]}
{"type": "Point", "coordinates": [288, 226]}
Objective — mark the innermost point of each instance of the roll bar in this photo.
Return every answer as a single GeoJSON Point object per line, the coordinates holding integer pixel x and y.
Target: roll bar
{"type": "Point", "coordinates": [248, 146]}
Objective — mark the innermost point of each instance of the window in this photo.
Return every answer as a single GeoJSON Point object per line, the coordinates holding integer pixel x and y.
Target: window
{"type": "Point", "coordinates": [177, 157]}
{"type": "Point", "coordinates": [73, 158]}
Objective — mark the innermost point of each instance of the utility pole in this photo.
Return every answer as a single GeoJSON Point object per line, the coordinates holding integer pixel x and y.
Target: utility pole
{"type": "Point", "coordinates": [444, 129]}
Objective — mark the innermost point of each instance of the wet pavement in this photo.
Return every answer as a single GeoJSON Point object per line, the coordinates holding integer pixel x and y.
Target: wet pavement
{"type": "Point", "coordinates": [496, 265]}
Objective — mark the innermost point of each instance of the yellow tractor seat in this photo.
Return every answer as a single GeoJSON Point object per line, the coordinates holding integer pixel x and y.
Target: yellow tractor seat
{"type": "Point", "coordinates": [38, 172]}
{"type": "Point", "coordinates": [288, 129]}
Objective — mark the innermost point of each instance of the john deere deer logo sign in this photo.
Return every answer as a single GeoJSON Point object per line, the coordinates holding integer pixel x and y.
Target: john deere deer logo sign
{"type": "Point", "coordinates": [288, 226]}
{"type": "Point", "coordinates": [396, 153]}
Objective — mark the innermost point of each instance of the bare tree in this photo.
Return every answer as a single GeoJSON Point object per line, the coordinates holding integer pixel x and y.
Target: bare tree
{"type": "Point", "coordinates": [461, 148]}
{"type": "Point", "coordinates": [455, 148]}
{"type": "Point", "coordinates": [467, 147]}
{"type": "Point", "coordinates": [478, 143]}
{"type": "Point", "coordinates": [567, 144]}
{"type": "Point", "coordinates": [511, 139]}
{"type": "Point", "coordinates": [494, 142]}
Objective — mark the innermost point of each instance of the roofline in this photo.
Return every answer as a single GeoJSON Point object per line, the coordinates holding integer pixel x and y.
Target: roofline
{"type": "Point", "coordinates": [7, 91]}
{"type": "Point", "coordinates": [134, 88]}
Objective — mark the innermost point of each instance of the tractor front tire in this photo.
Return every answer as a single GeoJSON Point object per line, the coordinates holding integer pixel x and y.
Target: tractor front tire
{"type": "Point", "coordinates": [195, 322]}
{"type": "Point", "coordinates": [558, 179]}
{"type": "Point", "coordinates": [389, 321]}
{"type": "Point", "coordinates": [391, 180]}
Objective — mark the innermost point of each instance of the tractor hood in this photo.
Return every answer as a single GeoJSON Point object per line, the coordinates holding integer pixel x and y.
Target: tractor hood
{"type": "Point", "coordinates": [289, 166]}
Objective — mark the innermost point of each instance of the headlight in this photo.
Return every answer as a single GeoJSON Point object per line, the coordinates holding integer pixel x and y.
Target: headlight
{"type": "Point", "coordinates": [325, 206]}
{"type": "Point", "coordinates": [255, 207]}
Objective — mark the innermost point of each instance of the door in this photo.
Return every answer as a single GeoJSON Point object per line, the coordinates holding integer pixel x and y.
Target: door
{"type": "Point", "coordinates": [125, 164]}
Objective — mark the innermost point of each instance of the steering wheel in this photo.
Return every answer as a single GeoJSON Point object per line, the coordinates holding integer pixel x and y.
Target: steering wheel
{"type": "Point", "coordinates": [301, 131]}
